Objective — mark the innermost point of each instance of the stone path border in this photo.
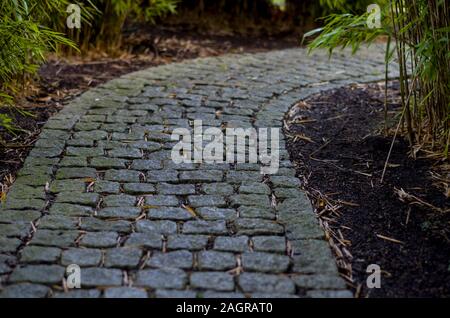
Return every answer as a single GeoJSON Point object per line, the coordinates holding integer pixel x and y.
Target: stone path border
{"type": "Point", "coordinates": [99, 188]}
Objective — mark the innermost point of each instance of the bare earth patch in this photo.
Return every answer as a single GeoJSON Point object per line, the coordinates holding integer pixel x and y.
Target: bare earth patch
{"type": "Point", "coordinates": [338, 146]}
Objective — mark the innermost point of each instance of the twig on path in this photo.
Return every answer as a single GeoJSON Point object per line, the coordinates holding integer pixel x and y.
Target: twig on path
{"type": "Point", "coordinates": [331, 162]}
{"type": "Point", "coordinates": [348, 203]}
{"type": "Point", "coordinates": [298, 136]}
{"type": "Point", "coordinates": [391, 147]}
{"type": "Point", "coordinates": [190, 210]}
{"type": "Point", "coordinates": [336, 117]}
{"type": "Point", "coordinates": [320, 148]}
{"type": "Point", "coordinates": [408, 215]}
{"type": "Point", "coordinates": [412, 199]}
{"type": "Point", "coordinates": [327, 211]}
{"type": "Point", "coordinates": [390, 239]}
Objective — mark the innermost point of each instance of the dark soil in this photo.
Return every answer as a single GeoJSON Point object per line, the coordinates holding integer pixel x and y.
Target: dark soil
{"type": "Point", "coordinates": [345, 161]}
{"type": "Point", "coordinates": [61, 79]}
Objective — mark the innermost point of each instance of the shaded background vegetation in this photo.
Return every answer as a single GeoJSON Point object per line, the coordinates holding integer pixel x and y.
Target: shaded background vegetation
{"type": "Point", "coordinates": [273, 17]}
{"type": "Point", "coordinates": [29, 29]}
{"type": "Point", "coordinates": [418, 33]}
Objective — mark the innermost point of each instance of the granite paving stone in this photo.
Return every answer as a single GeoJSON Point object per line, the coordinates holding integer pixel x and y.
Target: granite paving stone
{"type": "Point", "coordinates": [265, 262]}
{"type": "Point", "coordinates": [99, 239]}
{"type": "Point", "coordinates": [96, 224]}
{"type": "Point", "coordinates": [41, 274]}
{"type": "Point", "coordinates": [177, 294]}
{"type": "Point", "coordinates": [207, 200]}
{"type": "Point", "coordinates": [70, 210]}
{"type": "Point", "coordinates": [25, 290]}
{"type": "Point", "coordinates": [212, 280]}
{"type": "Point", "coordinates": [82, 257]}
{"type": "Point", "coordinates": [162, 200]}
{"type": "Point", "coordinates": [214, 213]}
{"type": "Point", "coordinates": [55, 238]}
{"type": "Point", "coordinates": [40, 254]}
{"type": "Point", "coordinates": [170, 213]}
{"type": "Point", "coordinates": [232, 244]}
{"type": "Point", "coordinates": [120, 212]}
{"type": "Point", "coordinates": [266, 283]}
{"type": "Point", "coordinates": [78, 293]}
{"type": "Point", "coordinates": [138, 188]}
{"type": "Point", "coordinates": [205, 227]}
{"type": "Point", "coordinates": [170, 278]}
{"type": "Point", "coordinates": [123, 257]}
{"type": "Point", "coordinates": [125, 292]}
{"type": "Point", "coordinates": [217, 261]}
{"type": "Point", "coordinates": [123, 175]}
{"type": "Point", "coordinates": [275, 244]}
{"type": "Point", "coordinates": [176, 259]}
{"type": "Point", "coordinates": [254, 212]}
{"type": "Point", "coordinates": [101, 277]}
{"type": "Point", "coordinates": [145, 240]}
{"type": "Point", "coordinates": [156, 227]}
{"type": "Point", "coordinates": [192, 242]}
{"type": "Point", "coordinates": [119, 200]}
{"type": "Point", "coordinates": [258, 227]}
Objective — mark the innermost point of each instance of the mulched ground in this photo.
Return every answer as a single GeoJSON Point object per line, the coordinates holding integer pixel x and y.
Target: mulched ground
{"type": "Point", "coordinates": [337, 142]}
{"type": "Point", "coordinates": [63, 79]}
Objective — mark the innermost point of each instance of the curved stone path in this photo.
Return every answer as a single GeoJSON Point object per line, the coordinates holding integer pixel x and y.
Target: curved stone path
{"type": "Point", "coordinates": [99, 188]}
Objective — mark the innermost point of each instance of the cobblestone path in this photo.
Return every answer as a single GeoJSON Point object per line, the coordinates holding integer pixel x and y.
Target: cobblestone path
{"type": "Point", "coordinates": [99, 188]}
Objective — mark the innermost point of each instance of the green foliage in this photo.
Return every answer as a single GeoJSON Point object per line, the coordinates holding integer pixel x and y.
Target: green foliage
{"type": "Point", "coordinates": [343, 30]}
{"type": "Point", "coordinates": [353, 6]}
{"type": "Point", "coordinates": [159, 8]}
{"type": "Point", "coordinates": [6, 122]}
{"type": "Point", "coordinates": [347, 29]}
{"type": "Point", "coordinates": [107, 20]}
{"type": "Point", "coordinates": [27, 33]}
{"type": "Point", "coordinates": [421, 32]}
{"type": "Point", "coordinates": [279, 3]}
{"type": "Point", "coordinates": [24, 42]}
